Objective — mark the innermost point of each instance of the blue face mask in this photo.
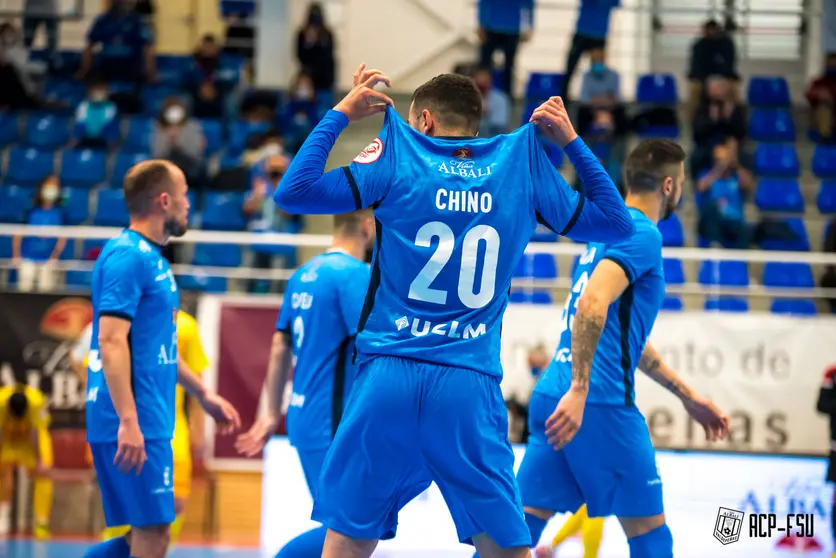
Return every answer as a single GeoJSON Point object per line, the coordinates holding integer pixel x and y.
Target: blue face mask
{"type": "Point", "coordinates": [598, 67]}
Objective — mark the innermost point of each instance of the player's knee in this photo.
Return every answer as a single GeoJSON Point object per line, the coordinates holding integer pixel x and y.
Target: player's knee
{"type": "Point", "coordinates": [179, 505]}
{"type": "Point", "coordinates": [657, 543]}
{"type": "Point", "coordinates": [150, 541]}
{"type": "Point", "coordinates": [638, 526]}
{"type": "Point", "coordinates": [537, 512]}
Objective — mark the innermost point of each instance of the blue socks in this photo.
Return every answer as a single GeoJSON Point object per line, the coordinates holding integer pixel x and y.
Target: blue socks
{"type": "Point", "coordinates": [114, 548]}
{"type": "Point", "coordinates": [307, 545]}
{"type": "Point", "coordinates": [658, 543]}
{"type": "Point", "coordinates": [535, 527]}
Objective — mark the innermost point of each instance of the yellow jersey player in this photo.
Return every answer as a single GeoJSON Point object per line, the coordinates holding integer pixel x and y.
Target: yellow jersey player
{"type": "Point", "coordinates": [25, 442]}
{"type": "Point", "coordinates": [188, 433]}
{"type": "Point", "coordinates": [591, 529]}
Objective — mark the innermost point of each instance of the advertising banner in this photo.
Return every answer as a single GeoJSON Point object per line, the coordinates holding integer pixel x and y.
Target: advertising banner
{"type": "Point", "coordinates": [716, 505]}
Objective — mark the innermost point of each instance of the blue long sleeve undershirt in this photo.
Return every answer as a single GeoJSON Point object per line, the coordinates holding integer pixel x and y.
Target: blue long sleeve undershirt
{"type": "Point", "coordinates": [307, 189]}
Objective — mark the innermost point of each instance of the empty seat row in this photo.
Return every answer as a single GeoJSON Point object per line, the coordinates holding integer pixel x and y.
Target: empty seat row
{"type": "Point", "coordinates": [673, 234]}
{"type": "Point", "coordinates": [785, 306]}
{"type": "Point", "coordinates": [79, 168]}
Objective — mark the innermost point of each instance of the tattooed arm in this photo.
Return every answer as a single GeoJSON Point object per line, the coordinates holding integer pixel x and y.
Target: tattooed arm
{"type": "Point", "coordinates": [653, 365]}
{"type": "Point", "coordinates": [607, 283]}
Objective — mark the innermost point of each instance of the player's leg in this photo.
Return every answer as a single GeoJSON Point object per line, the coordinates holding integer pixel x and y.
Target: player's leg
{"type": "Point", "coordinates": [592, 531]}
{"type": "Point", "coordinates": [8, 461]}
{"type": "Point", "coordinates": [182, 481]}
{"type": "Point", "coordinates": [464, 438]}
{"type": "Point", "coordinates": [310, 543]}
{"type": "Point", "coordinates": [42, 493]}
{"type": "Point", "coordinates": [374, 465]}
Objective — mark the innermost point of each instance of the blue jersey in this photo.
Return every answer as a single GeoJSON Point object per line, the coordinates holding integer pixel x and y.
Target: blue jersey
{"type": "Point", "coordinates": [629, 319]}
{"type": "Point", "coordinates": [454, 216]}
{"type": "Point", "coordinates": [320, 312]}
{"type": "Point", "coordinates": [36, 248]}
{"type": "Point", "coordinates": [133, 281]}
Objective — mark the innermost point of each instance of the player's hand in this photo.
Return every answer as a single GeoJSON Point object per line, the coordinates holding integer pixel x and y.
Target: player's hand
{"type": "Point", "coordinates": [130, 449]}
{"type": "Point", "coordinates": [566, 419]}
{"type": "Point", "coordinates": [222, 412]}
{"type": "Point", "coordinates": [252, 441]}
{"type": "Point", "coordinates": [713, 420]}
{"type": "Point", "coordinates": [363, 100]}
{"type": "Point", "coordinates": [554, 122]}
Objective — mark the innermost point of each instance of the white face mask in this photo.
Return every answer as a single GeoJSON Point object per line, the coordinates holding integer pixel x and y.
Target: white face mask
{"type": "Point", "coordinates": [271, 150]}
{"type": "Point", "coordinates": [175, 114]}
{"type": "Point", "coordinates": [50, 193]}
{"type": "Point", "coordinates": [98, 96]}
{"type": "Point", "coordinates": [304, 94]}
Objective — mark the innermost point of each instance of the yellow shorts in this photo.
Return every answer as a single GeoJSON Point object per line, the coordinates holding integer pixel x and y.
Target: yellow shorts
{"type": "Point", "coordinates": [23, 454]}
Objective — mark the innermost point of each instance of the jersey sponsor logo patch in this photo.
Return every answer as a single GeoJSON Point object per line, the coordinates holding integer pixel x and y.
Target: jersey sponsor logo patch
{"type": "Point", "coordinates": [463, 153]}
{"type": "Point", "coordinates": [371, 154]}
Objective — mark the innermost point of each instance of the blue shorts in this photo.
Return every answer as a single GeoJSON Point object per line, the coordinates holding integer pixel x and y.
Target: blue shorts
{"type": "Point", "coordinates": [138, 501]}
{"type": "Point", "coordinates": [311, 461]}
{"type": "Point", "coordinates": [610, 464]}
{"type": "Point", "coordinates": [408, 423]}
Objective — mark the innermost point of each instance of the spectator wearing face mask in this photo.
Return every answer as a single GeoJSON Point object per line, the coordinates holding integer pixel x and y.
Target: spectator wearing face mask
{"type": "Point", "coordinates": [96, 118]}
{"type": "Point", "coordinates": [315, 49]}
{"type": "Point", "coordinates": [178, 138]}
{"type": "Point", "coordinates": [723, 190]}
{"type": "Point", "coordinates": [299, 116]}
{"type": "Point", "coordinates": [34, 257]}
{"type": "Point", "coordinates": [496, 105]}
{"type": "Point", "coordinates": [821, 94]}
{"type": "Point", "coordinates": [264, 215]}
{"type": "Point", "coordinates": [204, 80]}
{"type": "Point", "coordinates": [600, 111]}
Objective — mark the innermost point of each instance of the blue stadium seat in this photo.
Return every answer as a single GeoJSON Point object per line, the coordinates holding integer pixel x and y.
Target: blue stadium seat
{"type": "Point", "coordinates": [779, 194]}
{"type": "Point", "coordinates": [28, 166]}
{"type": "Point", "coordinates": [217, 255]}
{"type": "Point", "coordinates": [76, 205]}
{"type": "Point", "coordinates": [800, 244]}
{"type": "Point", "coordinates": [69, 93]}
{"type": "Point", "coordinates": [242, 8]}
{"type": "Point", "coordinates": [539, 266]}
{"type": "Point", "coordinates": [672, 232]}
{"type": "Point", "coordinates": [529, 109]}
{"type": "Point", "coordinates": [110, 208]}
{"type": "Point", "coordinates": [657, 89]}
{"type": "Point", "coordinates": [726, 304]}
{"type": "Point", "coordinates": [123, 161]}
{"type": "Point", "coordinates": [202, 283]}
{"type": "Point", "coordinates": [68, 253]}
{"type": "Point", "coordinates": [530, 297]}
{"type": "Point", "coordinates": [83, 168]}
{"type": "Point", "coordinates": [78, 279]}
{"type": "Point", "coordinates": [674, 274]}
{"type": "Point", "coordinates": [223, 211]}
{"type": "Point", "coordinates": [768, 91]}
{"type": "Point", "coordinates": [138, 137]}
{"type": "Point", "coordinates": [729, 273]}
{"type": "Point", "coordinates": [230, 68]}
{"type": "Point", "coordinates": [5, 247]}
{"type": "Point", "coordinates": [9, 128]}
{"type": "Point", "coordinates": [824, 161]}
{"type": "Point", "coordinates": [543, 234]}
{"type": "Point", "coordinates": [542, 85]}
{"type": "Point", "coordinates": [789, 275]}
{"type": "Point", "coordinates": [47, 131]}
{"type": "Point", "coordinates": [230, 161]}
{"type": "Point", "coordinates": [214, 134]}
{"type": "Point", "coordinates": [826, 199]}
{"type": "Point", "coordinates": [794, 306]}
{"type": "Point", "coordinates": [171, 69]}
{"type": "Point", "coordinates": [242, 131]}
{"type": "Point", "coordinates": [777, 159]}
{"type": "Point", "coordinates": [772, 125]}
{"type": "Point", "coordinates": [672, 304]}
{"type": "Point", "coordinates": [15, 201]}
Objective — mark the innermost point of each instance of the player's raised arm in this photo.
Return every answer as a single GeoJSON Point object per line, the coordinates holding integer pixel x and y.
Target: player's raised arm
{"type": "Point", "coordinates": [600, 214]}
{"type": "Point", "coordinates": [306, 187]}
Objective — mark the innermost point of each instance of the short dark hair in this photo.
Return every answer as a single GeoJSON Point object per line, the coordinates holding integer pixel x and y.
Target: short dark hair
{"type": "Point", "coordinates": [143, 183]}
{"type": "Point", "coordinates": [453, 99]}
{"type": "Point", "coordinates": [18, 404]}
{"type": "Point", "coordinates": [349, 223]}
{"type": "Point", "coordinates": [650, 163]}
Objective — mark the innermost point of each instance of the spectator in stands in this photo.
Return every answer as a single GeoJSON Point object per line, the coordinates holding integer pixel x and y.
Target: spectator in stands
{"type": "Point", "coordinates": [264, 215]}
{"type": "Point", "coordinates": [96, 118]}
{"type": "Point", "coordinates": [590, 34]}
{"type": "Point", "coordinates": [723, 190]}
{"type": "Point", "coordinates": [18, 91]}
{"type": "Point", "coordinates": [600, 112]}
{"type": "Point", "coordinates": [37, 13]}
{"type": "Point", "coordinates": [203, 80]}
{"type": "Point", "coordinates": [496, 105]}
{"type": "Point", "coordinates": [126, 55]}
{"type": "Point", "coordinates": [718, 117]}
{"type": "Point", "coordinates": [713, 54]}
{"type": "Point", "coordinates": [177, 137]}
{"type": "Point", "coordinates": [503, 25]}
{"type": "Point", "coordinates": [299, 116]}
{"type": "Point", "coordinates": [33, 256]}
{"type": "Point", "coordinates": [315, 49]}
{"type": "Point", "coordinates": [821, 94]}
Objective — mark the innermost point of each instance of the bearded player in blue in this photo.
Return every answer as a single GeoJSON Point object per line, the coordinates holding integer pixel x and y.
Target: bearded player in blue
{"type": "Point", "coordinates": [608, 461]}
{"type": "Point", "coordinates": [453, 214]}
{"type": "Point", "coordinates": [133, 366]}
